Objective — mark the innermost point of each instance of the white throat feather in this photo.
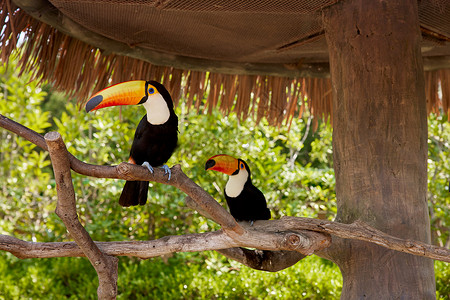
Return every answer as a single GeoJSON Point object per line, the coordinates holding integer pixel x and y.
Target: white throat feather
{"type": "Point", "coordinates": [236, 183]}
{"type": "Point", "coordinates": [157, 111]}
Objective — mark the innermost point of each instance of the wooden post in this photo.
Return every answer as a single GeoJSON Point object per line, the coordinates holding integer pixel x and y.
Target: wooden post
{"type": "Point", "coordinates": [379, 144]}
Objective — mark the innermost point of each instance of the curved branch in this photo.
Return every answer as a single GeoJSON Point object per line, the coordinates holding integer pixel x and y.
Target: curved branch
{"type": "Point", "coordinates": [235, 231]}
{"type": "Point", "coordinates": [263, 260]}
{"type": "Point", "coordinates": [128, 171]}
{"type": "Point", "coordinates": [105, 266]}
{"type": "Point", "coordinates": [361, 231]}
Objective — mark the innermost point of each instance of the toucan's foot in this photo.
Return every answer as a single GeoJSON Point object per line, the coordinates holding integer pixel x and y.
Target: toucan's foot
{"type": "Point", "coordinates": [167, 171]}
{"type": "Point", "coordinates": [149, 167]}
{"type": "Point", "coordinates": [251, 223]}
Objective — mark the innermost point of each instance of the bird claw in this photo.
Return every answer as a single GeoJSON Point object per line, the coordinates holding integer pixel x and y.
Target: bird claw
{"type": "Point", "coordinates": [167, 171]}
{"type": "Point", "coordinates": [149, 167]}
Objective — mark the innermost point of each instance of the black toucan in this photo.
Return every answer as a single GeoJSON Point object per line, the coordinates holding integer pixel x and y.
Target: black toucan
{"type": "Point", "coordinates": [156, 136]}
{"type": "Point", "coordinates": [246, 202]}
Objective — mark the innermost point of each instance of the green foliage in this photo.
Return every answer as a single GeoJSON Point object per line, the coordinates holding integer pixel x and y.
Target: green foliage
{"type": "Point", "coordinates": [442, 273]}
{"type": "Point", "coordinates": [439, 178]}
{"type": "Point", "coordinates": [292, 167]}
{"type": "Point", "coordinates": [184, 276]}
{"type": "Point", "coordinates": [25, 192]}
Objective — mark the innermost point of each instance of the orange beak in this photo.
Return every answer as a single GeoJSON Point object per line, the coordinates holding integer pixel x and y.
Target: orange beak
{"type": "Point", "coordinates": [222, 163]}
{"type": "Point", "coordinates": [125, 93]}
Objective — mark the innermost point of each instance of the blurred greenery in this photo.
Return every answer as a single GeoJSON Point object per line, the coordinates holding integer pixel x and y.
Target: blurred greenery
{"type": "Point", "coordinates": [292, 166]}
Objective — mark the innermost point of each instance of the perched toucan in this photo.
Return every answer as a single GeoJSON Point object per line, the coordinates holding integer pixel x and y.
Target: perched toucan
{"type": "Point", "coordinates": [246, 202]}
{"type": "Point", "coordinates": [156, 136]}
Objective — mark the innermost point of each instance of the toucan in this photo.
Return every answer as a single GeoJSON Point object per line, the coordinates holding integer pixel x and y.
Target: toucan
{"type": "Point", "coordinates": [245, 201]}
{"type": "Point", "coordinates": [156, 136]}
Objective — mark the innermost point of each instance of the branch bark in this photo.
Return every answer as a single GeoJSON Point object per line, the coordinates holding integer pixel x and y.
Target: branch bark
{"type": "Point", "coordinates": [105, 266]}
{"type": "Point", "coordinates": [305, 242]}
{"type": "Point", "coordinates": [285, 230]}
{"type": "Point", "coordinates": [264, 260]}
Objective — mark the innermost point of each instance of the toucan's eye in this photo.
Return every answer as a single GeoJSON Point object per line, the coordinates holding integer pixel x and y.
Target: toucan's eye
{"type": "Point", "coordinates": [151, 91]}
{"type": "Point", "coordinates": [242, 165]}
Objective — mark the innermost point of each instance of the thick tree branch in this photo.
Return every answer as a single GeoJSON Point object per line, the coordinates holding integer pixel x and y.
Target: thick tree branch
{"type": "Point", "coordinates": [361, 231]}
{"type": "Point", "coordinates": [105, 266]}
{"type": "Point", "coordinates": [205, 203]}
{"type": "Point", "coordinates": [264, 260]}
{"type": "Point", "coordinates": [257, 259]}
{"type": "Point", "coordinates": [305, 241]}
{"type": "Point", "coordinates": [284, 229]}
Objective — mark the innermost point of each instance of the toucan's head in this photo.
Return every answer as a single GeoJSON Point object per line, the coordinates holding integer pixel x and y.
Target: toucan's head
{"type": "Point", "coordinates": [226, 164]}
{"type": "Point", "coordinates": [153, 95]}
{"type": "Point", "coordinates": [237, 169]}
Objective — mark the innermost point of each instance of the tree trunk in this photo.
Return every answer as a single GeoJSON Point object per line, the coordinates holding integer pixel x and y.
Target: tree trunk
{"type": "Point", "coordinates": [379, 144]}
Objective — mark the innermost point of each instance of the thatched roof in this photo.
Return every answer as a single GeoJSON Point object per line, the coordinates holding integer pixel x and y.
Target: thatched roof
{"type": "Point", "coordinates": [254, 57]}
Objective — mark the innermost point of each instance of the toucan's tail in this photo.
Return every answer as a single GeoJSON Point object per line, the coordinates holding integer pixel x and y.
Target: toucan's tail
{"type": "Point", "coordinates": [134, 193]}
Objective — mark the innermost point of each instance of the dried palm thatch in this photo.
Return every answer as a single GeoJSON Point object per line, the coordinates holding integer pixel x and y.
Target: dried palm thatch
{"type": "Point", "coordinates": [79, 69]}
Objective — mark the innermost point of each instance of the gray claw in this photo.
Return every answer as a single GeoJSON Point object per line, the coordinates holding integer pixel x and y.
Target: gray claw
{"type": "Point", "coordinates": [167, 171]}
{"type": "Point", "coordinates": [146, 164]}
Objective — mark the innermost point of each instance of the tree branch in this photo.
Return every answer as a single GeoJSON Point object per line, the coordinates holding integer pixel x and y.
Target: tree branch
{"type": "Point", "coordinates": [233, 234]}
{"type": "Point", "coordinates": [105, 266]}
{"type": "Point", "coordinates": [257, 259]}
{"type": "Point", "coordinates": [264, 260]}
{"type": "Point", "coordinates": [305, 241]}
{"type": "Point", "coordinates": [361, 231]}
{"type": "Point", "coordinates": [128, 171]}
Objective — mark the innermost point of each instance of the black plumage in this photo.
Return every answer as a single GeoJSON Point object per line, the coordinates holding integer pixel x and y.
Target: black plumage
{"type": "Point", "coordinates": [156, 135]}
{"type": "Point", "coordinates": [153, 144]}
{"type": "Point", "coordinates": [249, 204]}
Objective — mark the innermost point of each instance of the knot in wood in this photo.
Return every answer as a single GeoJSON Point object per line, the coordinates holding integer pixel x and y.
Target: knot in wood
{"type": "Point", "coordinates": [124, 169]}
{"type": "Point", "coordinates": [409, 244]}
{"type": "Point", "coordinates": [295, 241]}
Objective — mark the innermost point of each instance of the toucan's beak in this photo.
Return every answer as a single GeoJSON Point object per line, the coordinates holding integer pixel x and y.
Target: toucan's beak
{"type": "Point", "coordinates": [125, 93]}
{"type": "Point", "coordinates": [222, 163]}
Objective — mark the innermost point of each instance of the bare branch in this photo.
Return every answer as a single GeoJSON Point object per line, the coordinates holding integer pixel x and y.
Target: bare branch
{"type": "Point", "coordinates": [305, 242]}
{"type": "Point", "coordinates": [134, 172]}
{"type": "Point", "coordinates": [239, 233]}
{"type": "Point", "coordinates": [105, 266]}
{"type": "Point", "coordinates": [257, 259]}
{"type": "Point", "coordinates": [361, 231]}
{"type": "Point", "coordinates": [282, 229]}
{"type": "Point", "coordinates": [264, 260]}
